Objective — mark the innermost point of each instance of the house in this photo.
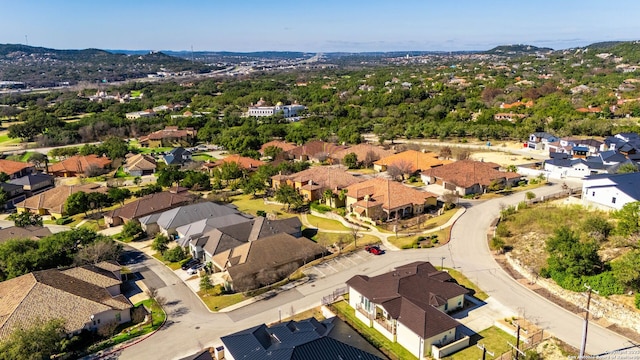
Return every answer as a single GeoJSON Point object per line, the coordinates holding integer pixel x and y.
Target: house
{"type": "Point", "coordinates": [260, 109]}
{"type": "Point", "coordinates": [511, 117]}
{"type": "Point", "coordinates": [411, 160]}
{"type": "Point", "coordinates": [364, 152]}
{"type": "Point", "coordinates": [28, 232]}
{"type": "Point", "coordinates": [139, 165]}
{"type": "Point", "coordinates": [307, 339]}
{"type": "Point", "coordinates": [34, 183]}
{"type": "Point", "coordinates": [51, 202]}
{"type": "Point", "coordinates": [85, 298]}
{"type": "Point", "coordinates": [285, 146]}
{"type": "Point", "coordinates": [315, 151]}
{"type": "Point", "coordinates": [214, 244]}
{"type": "Point", "coordinates": [194, 230]}
{"type": "Point", "coordinates": [267, 260]}
{"type": "Point", "coordinates": [539, 140]}
{"type": "Point", "coordinates": [409, 305]}
{"type": "Point", "coordinates": [561, 166]}
{"type": "Point", "coordinates": [466, 177]}
{"type": "Point", "coordinates": [147, 205]}
{"type": "Point", "coordinates": [167, 221]}
{"type": "Point", "coordinates": [593, 146]}
{"type": "Point", "coordinates": [516, 104]}
{"type": "Point", "coordinates": [611, 192]}
{"type": "Point", "coordinates": [627, 144]}
{"type": "Point", "coordinates": [79, 165]}
{"type": "Point", "coordinates": [243, 162]}
{"type": "Point", "coordinates": [14, 194]}
{"type": "Point", "coordinates": [16, 169]}
{"type": "Point", "coordinates": [313, 182]}
{"type": "Point", "coordinates": [169, 136]}
{"type": "Point", "coordinates": [177, 156]}
{"type": "Point", "coordinates": [140, 114]}
{"type": "Point", "coordinates": [382, 200]}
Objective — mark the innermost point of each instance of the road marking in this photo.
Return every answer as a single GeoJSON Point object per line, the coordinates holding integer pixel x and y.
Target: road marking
{"type": "Point", "coordinates": [321, 273]}
{"type": "Point", "coordinates": [354, 263]}
{"type": "Point", "coordinates": [332, 268]}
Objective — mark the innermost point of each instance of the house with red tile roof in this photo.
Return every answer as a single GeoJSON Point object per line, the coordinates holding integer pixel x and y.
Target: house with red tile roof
{"type": "Point", "coordinates": [16, 169]}
{"type": "Point", "coordinates": [516, 104]}
{"type": "Point", "coordinates": [381, 200]}
{"type": "Point", "coordinates": [79, 165]}
{"type": "Point", "coordinates": [285, 146]}
{"type": "Point", "coordinates": [169, 136]}
{"type": "Point", "coordinates": [363, 152]}
{"type": "Point", "coordinates": [313, 182]}
{"type": "Point", "coordinates": [51, 202]}
{"type": "Point", "coordinates": [415, 160]}
{"type": "Point", "coordinates": [466, 177]}
{"type": "Point", "coordinates": [315, 151]}
{"type": "Point", "coordinates": [243, 162]}
{"type": "Point", "coordinates": [410, 306]}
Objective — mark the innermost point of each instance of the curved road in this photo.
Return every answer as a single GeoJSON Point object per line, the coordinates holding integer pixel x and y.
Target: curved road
{"type": "Point", "coordinates": [191, 327]}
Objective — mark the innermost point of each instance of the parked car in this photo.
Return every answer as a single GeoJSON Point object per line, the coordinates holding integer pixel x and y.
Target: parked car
{"type": "Point", "coordinates": [374, 249]}
{"type": "Point", "coordinates": [194, 269]}
{"type": "Point", "coordinates": [189, 264]}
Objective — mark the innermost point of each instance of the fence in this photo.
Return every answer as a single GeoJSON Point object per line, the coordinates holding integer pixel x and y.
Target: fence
{"type": "Point", "coordinates": [331, 298]}
{"type": "Point", "coordinates": [527, 343]}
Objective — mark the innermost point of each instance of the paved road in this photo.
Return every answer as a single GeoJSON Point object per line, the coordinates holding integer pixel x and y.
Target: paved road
{"type": "Point", "coordinates": [191, 327]}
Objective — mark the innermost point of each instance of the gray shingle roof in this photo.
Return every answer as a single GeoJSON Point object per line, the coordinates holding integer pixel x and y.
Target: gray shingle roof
{"type": "Point", "coordinates": [183, 215]}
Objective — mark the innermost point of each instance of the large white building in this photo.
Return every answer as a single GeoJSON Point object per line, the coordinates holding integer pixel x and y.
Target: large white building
{"type": "Point", "coordinates": [611, 192]}
{"type": "Point", "coordinates": [259, 109]}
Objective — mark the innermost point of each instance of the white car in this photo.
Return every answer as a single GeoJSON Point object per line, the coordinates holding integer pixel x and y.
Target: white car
{"type": "Point", "coordinates": [194, 270]}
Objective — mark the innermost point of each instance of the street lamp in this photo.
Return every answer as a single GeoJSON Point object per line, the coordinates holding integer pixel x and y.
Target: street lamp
{"type": "Point", "coordinates": [442, 262]}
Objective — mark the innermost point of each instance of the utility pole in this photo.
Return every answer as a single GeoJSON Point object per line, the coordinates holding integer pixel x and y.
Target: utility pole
{"type": "Point", "coordinates": [586, 321]}
{"type": "Point", "coordinates": [485, 351]}
{"type": "Point", "coordinates": [518, 341]}
{"type": "Point", "coordinates": [442, 262]}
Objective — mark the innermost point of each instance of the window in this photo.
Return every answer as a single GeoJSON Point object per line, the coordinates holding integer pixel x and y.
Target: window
{"type": "Point", "coordinates": [446, 306]}
{"type": "Point", "coordinates": [613, 200]}
{"type": "Point", "coordinates": [593, 193]}
{"type": "Point", "coordinates": [118, 317]}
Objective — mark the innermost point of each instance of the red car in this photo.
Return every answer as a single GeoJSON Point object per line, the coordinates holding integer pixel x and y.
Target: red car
{"type": "Point", "coordinates": [374, 249]}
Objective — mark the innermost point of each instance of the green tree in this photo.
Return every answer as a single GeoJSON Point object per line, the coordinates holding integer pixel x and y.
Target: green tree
{"type": "Point", "coordinates": [287, 195]}
{"type": "Point", "coordinates": [98, 200]}
{"type": "Point", "coordinates": [230, 171]}
{"type": "Point", "coordinates": [119, 195]}
{"type": "Point", "coordinates": [169, 176]}
{"type": "Point", "coordinates": [626, 271]}
{"type": "Point", "coordinates": [76, 203]}
{"type": "Point", "coordinates": [175, 254]}
{"type": "Point", "coordinates": [114, 148]}
{"type": "Point", "coordinates": [272, 151]}
{"type": "Point", "coordinates": [41, 340]}
{"type": "Point", "coordinates": [253, 185]}
{"type": "Point", "coordinates": [569, 255]}
{"type": "Point", "coordinates": [205, 283]}
{"type": "Point", "coordinates": [160, 243]}
{"type": "Point", "coordinates": [4, 177]}
{"type": "Point", "coordinates": [132, 228]}
{"type": "Point", "coordinates": [597, 227]}
{"type": "Point", "coordinates": [26, 218]}
{"type": "Point", "coordinates": [350, 160]}
{"type": "Point", "coordinates": [627, 168]}
{"type": "Point", "coordinates": [628, 218]}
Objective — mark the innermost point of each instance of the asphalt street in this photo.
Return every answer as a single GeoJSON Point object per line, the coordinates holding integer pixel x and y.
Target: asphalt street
{"type": "Point", "coordinates": [192, 327]}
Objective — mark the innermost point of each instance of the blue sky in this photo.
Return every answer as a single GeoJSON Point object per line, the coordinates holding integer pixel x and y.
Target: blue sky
{"type": "Point", "coordinates": [327, 25]}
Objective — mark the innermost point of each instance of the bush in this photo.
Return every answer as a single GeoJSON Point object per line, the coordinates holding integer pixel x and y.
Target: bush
{"type": "Point", "coordinates": [341, 211]}
{"type": "Point", "coordinates": [502, 230]}
{"type": "Point", "coordinates": [320, 208]}
{"type": "Point", "coordinates": [496, 244]}
{"type": "Point", "coordinates": [637, 300]}
{"type": "Point", "coordinates": [261, 213]}
{"type": "Point", "coordinates": [132, 228]}
{"type": "Point", "coordinates": [63, 220]}
{"type": "Point", "coordinates": [175, 254]}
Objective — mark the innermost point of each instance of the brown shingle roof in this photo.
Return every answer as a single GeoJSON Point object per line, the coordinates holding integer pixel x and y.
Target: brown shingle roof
{"type": "Point", "coordinates": [466, 173]}
{"type": "Point", "coordinates": [390, 193]}
{"type": "Point", "coordinates": [411, 294]}
{"type": "Point", "coordinates": [29, 232]}
{"type": "Point", "coordinates": [150, 204]}
{"type": "Point", "coordinates": [242, 161]}
{"type": "Point", "coordinates": [361, 151]}
{"type": "Point", "coordinates": [53, 200]}
{"type": "Point", "coordinates": [78, 164]}
{"type": "Point", "coordinates": [140, 162]}
{"type": "Point", "coordinates": [418, 160]}
{"type": "Point", "coordinates": [312, 148]}
{"type": "Point", "coordinates": [10, 167]}
{"type": "Point", "coordinates": [169, 132]}
{"type": "Point", "coordinates": [50, 294]}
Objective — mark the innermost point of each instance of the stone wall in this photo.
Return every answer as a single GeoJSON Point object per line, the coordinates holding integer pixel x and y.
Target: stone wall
{"type": "Point", "coordinates": [601, 307]}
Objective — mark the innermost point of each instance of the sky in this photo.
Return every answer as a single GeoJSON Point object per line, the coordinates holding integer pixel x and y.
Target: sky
{"type": "Point", "coordinates": [315, 26]}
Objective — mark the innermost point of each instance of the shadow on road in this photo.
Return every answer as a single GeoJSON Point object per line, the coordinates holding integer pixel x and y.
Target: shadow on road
{"type": "Point", "coordinates": [131, 256]}
{"type": "Point", "coordinates": [183, 310]}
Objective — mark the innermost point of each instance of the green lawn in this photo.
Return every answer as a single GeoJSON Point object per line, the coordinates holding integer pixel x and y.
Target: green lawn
{"type": "Point", "coordinates": [6, 140]}
{"type": "Point", "coordinates": [391, 349]}
{"type": "Point", "coordinates": [494, 339]}
{"type": "Point", "coordinates": [93, 225]}
{"type": "Point", "coordinates": [218, 302]}
{"type": "Point", "coordinates": [203, 157]}
{"type": "Point", "coordinates": [171, 265]}
{"type": "Point", "coordinates": [464, 281]}
{"type": "Point", "coordinates": [408, 242]}
{"type": "Point", "coordinates": [326, 224]}
{"type": "Point", "coordinates": [246, 204]}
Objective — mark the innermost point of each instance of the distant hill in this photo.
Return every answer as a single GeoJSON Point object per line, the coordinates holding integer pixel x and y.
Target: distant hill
{"type": "Point", "coordinates": [603, 45]}
{"type": "Point", "coordinates": [514, 50]}
{"type": "Point", "coordinates": [38, 66]}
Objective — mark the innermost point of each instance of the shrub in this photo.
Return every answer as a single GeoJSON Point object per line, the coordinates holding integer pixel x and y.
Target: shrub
{"type": "Point", "coordinates": [320, 208]}
{"type": "Point", "coordinates": [502, 230]}
{"type": "Point", "coordinates": [205, 283]}
{"type": "Point", "coordinates": [341, 211]}
{"type": "Point", "coordinates": [637, 300]}
{"type": "Point", "coordinates": [132, 228]}
{"type": "Point", "coordinates": [175, 254]}
{"type": "Point", "coordinates": [496, 244]}
{"type": "Point", "coordinates": [261, 213]}
{"type": "Point", "coordinates": [63, 220]}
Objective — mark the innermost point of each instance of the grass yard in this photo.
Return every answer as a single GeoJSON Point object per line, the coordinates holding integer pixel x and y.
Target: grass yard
{"type": "Point", "coordinates": [494, 339]}
{"type": "Point", "coordinates": [246, 204]}
{"type": "Point", "coordinates": [391, 349]}
{"type": "Point", "coordinates": [93, 225]}
{"type": "Point", "coordinates": [172, 265]}
{"type": "Point", "coordinates": [24, 157]}
{"type": "Point", "coordinates": [218, 302]}
{"type": "Point", "coordinates": [6, 140]}
{"type": "Point", "coordinates": [464, 281]}
{"type": "Point", "coordinates": [326, 224]}
{"type": "Point", "coordinates": [203, 157]}
{"type": "Point", "coordinates": [409, 242]}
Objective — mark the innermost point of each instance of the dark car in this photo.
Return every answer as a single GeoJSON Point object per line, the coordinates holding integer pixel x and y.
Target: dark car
{"type": "Point", "coordinates": [374, 249]}
{"type": "Point", "coordinates": [189, 264]}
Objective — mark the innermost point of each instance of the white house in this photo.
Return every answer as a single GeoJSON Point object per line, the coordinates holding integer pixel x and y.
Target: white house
{"type": "Point", "coordinates": [563, 167]}
{"type": "Point", "coordinates": [409, 306]}
{"type": "Point", "coordinates": [611, 192]}
{"type": "Point", "coordinates": [540, 140]}
{"type": "Point", "coordinates": [288, 111]}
